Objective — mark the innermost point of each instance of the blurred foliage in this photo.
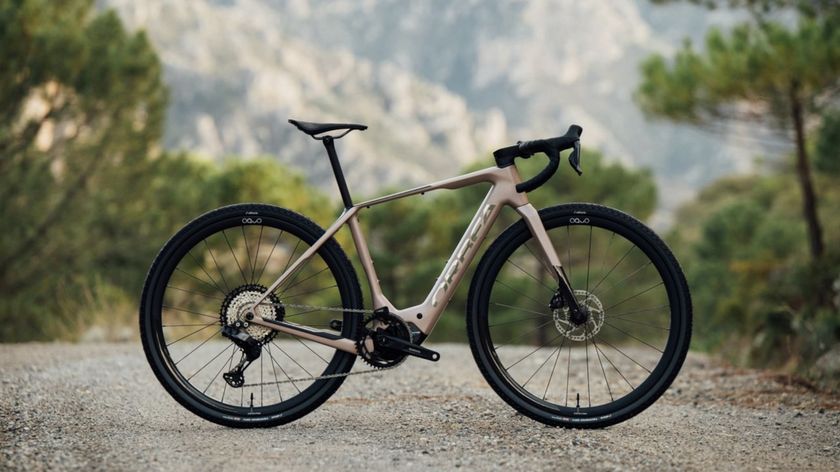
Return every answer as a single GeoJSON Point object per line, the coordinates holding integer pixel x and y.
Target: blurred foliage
{"type": "Point", "coordinates": [764, 277]}
{"type": "Point", "coordinates": [757, 296]}
{"type": "Point", "coordinates": [87, 197]}
{"type": "Point", "coordinates": [746, 241]}
{"type": "Point", "coordinates": [761, 8]}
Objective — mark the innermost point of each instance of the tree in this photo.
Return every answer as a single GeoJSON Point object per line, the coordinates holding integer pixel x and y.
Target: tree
{"type": "Point", "coordinates": [80, 100]}
{"type": "Point", "coordinates": [761, 72]}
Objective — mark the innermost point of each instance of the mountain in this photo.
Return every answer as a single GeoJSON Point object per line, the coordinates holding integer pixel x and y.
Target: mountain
{"type": "Point", "coordinates": [439, 83]}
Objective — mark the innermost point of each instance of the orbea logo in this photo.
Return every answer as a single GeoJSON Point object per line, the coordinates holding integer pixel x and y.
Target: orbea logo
{"type": "Point", "coordinates": [251, 221]}
{"type": "Point", "coordinates": [578, 221]}
{"type": "Point", "coordinates": [458, 259]}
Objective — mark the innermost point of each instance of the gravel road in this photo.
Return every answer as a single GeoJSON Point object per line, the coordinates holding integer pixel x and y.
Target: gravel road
{"type": "Point", "coordinates": [98, 406]}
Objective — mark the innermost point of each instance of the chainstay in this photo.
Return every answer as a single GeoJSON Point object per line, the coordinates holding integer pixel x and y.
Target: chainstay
{"type": "Point", "coordinates": [318, 308]}
{"type": "Point", "coordinates": [321, 377]}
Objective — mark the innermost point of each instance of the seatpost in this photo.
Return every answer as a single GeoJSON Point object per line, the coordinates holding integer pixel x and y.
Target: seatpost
{"type": "Point", "coordinates": [339, 175]}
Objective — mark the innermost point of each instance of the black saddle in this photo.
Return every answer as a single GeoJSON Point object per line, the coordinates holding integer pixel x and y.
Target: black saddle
{"type": "Point", "coordinates": [313, 129]}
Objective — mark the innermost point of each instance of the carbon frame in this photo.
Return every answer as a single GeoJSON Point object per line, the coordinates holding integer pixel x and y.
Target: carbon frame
{"type": "Point", "coordinates": [426, 314]}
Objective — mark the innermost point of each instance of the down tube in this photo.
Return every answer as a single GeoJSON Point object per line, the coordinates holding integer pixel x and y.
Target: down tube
{"type": "Point", "coordinates": [457, 265]}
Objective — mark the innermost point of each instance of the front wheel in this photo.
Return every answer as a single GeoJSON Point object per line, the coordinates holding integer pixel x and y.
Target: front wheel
{"type": "Point", "coordinates": [565, 371]}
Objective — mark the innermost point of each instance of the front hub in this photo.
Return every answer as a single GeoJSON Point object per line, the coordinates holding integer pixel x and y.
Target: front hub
{"type": "Point", "coordinates": [582, 325]}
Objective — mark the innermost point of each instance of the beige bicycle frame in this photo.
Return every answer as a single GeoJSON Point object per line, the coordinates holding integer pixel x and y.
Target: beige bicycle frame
{"type": "Point", "coordinates": [425, 315]}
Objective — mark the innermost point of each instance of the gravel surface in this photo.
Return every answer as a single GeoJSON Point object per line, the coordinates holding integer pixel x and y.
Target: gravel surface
{"type": "Point", "coordinates": [98, 406]}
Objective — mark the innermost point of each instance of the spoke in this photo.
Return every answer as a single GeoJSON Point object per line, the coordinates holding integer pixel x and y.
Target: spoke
{"type": "Point", "coordinates": [514, 321]}
{"type": "Point", "coordinates": [544, 362]}
{"type": "Point", "coordinates": [551, 290]}
{"type": "Point", "coordinates": [184, 325]}
{"type": "Point", "coordinates": [641, 323]}
{"type": "Point", "coordinates": [274, 369]}
{"type": "Point", "coordinates": [310, 292]}
{"type": "Point", "coordinates": [613, 366]}
{"type": "Point", "coordinates": [606, 251]}
{"type": "Point", "coordinates": [220, 368]}
{"type": "Point", "coordinates": [609, 390]}
{"type": "Point", "coordinates": [200, 265]}
{"type": "Point", "coordinates": [208, 362]}
{"type": "Point", "coordinates": [634, 337]}
{"type": "Point", "coordinates": [202, 344]}
{"type": "Point", "coordinates": [311, 350]}
{"type": "Point", "coordinates": [261, 377]}
{"type": "Point", "coordinates": [304, 280]}
{"type": "Point", "coordinates": [588, 259]}
{"type": "Point", "coordinates": [196, 278]}
{"type": "Point", "coordinates": [257, 256]}
{"type": "Point", "coordinates": [568, 371]}
{"type": "Point", "coordinates": [522, 309]}
{"type": "Point", "coordinates": [634, 296]}
{"type": "Point", "coordinates": [230, 363]}
{"type": "Point", "coordinates": [293, 359]}
{"type": "Point", "coordinates": [289, 261]}
{"type": "Point", "coordinates": [496, 348]}
{"type": "Point", "coordinates": [195, 292]}
{"type": "Point", "coordinates": [248, 253]}
{"type": "Point", "coordinates": [603, 341]}
{"type": "Point", "coordinates": [625, 279]}
{"type": "Point", "coordinates": [196, 331]}
{"type": "Point", "coordinates": [189, 311]}
{"type": "Point", "coordinates": [557, 358]}
{"type": "Point", "coordinates": [274, 246]}
{"type": "Point", "coordinates": [639, 311]}
{"type": "Point", "coordinates": [221, 274]}
{"type": "Point", "coordinates": [586, 347]}
{"type": "Point", "coordinates": [244, 279]}
{"type": "Point", "coordinates": [569, 253]}
{"type": "Point", "coordinates": [532, 352]}
{"type": "Point", "coordinates": [281, 367]}
{"type": "Point", "coordinates": [524, 295]}
{"type": "Point", "coordinates": [632, 246]}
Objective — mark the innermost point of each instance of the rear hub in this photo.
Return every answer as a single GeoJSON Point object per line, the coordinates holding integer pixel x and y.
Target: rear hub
{"type": "Point", "coordinates": [237, 304]}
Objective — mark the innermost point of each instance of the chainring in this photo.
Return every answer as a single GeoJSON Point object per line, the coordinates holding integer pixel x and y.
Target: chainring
{"type": "Point", "coordinates": [382, 323]}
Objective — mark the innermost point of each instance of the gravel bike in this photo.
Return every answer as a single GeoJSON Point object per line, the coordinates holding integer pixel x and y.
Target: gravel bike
{"type": "Point", "coordinates": [578, 315]}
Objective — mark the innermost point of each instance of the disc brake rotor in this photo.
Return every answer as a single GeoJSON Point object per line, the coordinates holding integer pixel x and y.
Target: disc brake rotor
{"type": "Point", "coordinates": [589, 328]}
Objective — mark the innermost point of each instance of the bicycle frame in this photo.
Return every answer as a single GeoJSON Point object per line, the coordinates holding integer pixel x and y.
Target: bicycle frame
{"type": "Point", "coordinates": [425, 315]}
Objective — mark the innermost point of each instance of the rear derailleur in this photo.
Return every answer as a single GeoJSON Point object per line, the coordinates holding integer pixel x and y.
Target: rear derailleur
{"type": "Point", "coordinates": [251, 349]}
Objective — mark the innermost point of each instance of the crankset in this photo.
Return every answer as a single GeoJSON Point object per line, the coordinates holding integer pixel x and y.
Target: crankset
{"type": "Point", "coordinates": [389, 340]}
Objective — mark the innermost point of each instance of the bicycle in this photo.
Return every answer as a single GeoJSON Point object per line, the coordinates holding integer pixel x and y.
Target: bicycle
{"type": "Point", "coordinates": [562, 345]}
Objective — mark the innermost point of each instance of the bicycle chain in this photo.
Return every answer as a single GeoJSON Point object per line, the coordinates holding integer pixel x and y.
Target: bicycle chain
{"type": "Point", "coordinates": [321, 377]}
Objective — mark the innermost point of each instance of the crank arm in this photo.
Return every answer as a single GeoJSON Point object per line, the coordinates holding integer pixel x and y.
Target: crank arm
{"type": "Point", "coordinates": [399, 345]}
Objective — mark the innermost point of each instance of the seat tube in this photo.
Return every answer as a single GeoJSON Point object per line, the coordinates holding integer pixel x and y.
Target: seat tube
{"type": "Point", "coordinates": [329, 143]}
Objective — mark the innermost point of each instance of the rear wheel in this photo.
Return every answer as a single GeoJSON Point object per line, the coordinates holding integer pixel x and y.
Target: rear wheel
{"type": "Point", "coordinates": [563, 370]}
{"type": "Point", "coordinates": [204, 279]}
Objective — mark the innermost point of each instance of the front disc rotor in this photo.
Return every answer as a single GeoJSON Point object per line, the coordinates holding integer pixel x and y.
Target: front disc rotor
{"type": "Point", "coordinates": [580, 331]}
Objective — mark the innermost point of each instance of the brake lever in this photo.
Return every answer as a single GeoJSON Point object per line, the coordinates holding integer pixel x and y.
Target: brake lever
{"type": "Point", "coordinates": [574, 158]}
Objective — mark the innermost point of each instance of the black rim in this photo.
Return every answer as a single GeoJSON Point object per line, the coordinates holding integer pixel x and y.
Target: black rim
{"type": "Point", "coordinates": [256, 253]}
{"type": "Point", "coordinates": [603, 352]}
